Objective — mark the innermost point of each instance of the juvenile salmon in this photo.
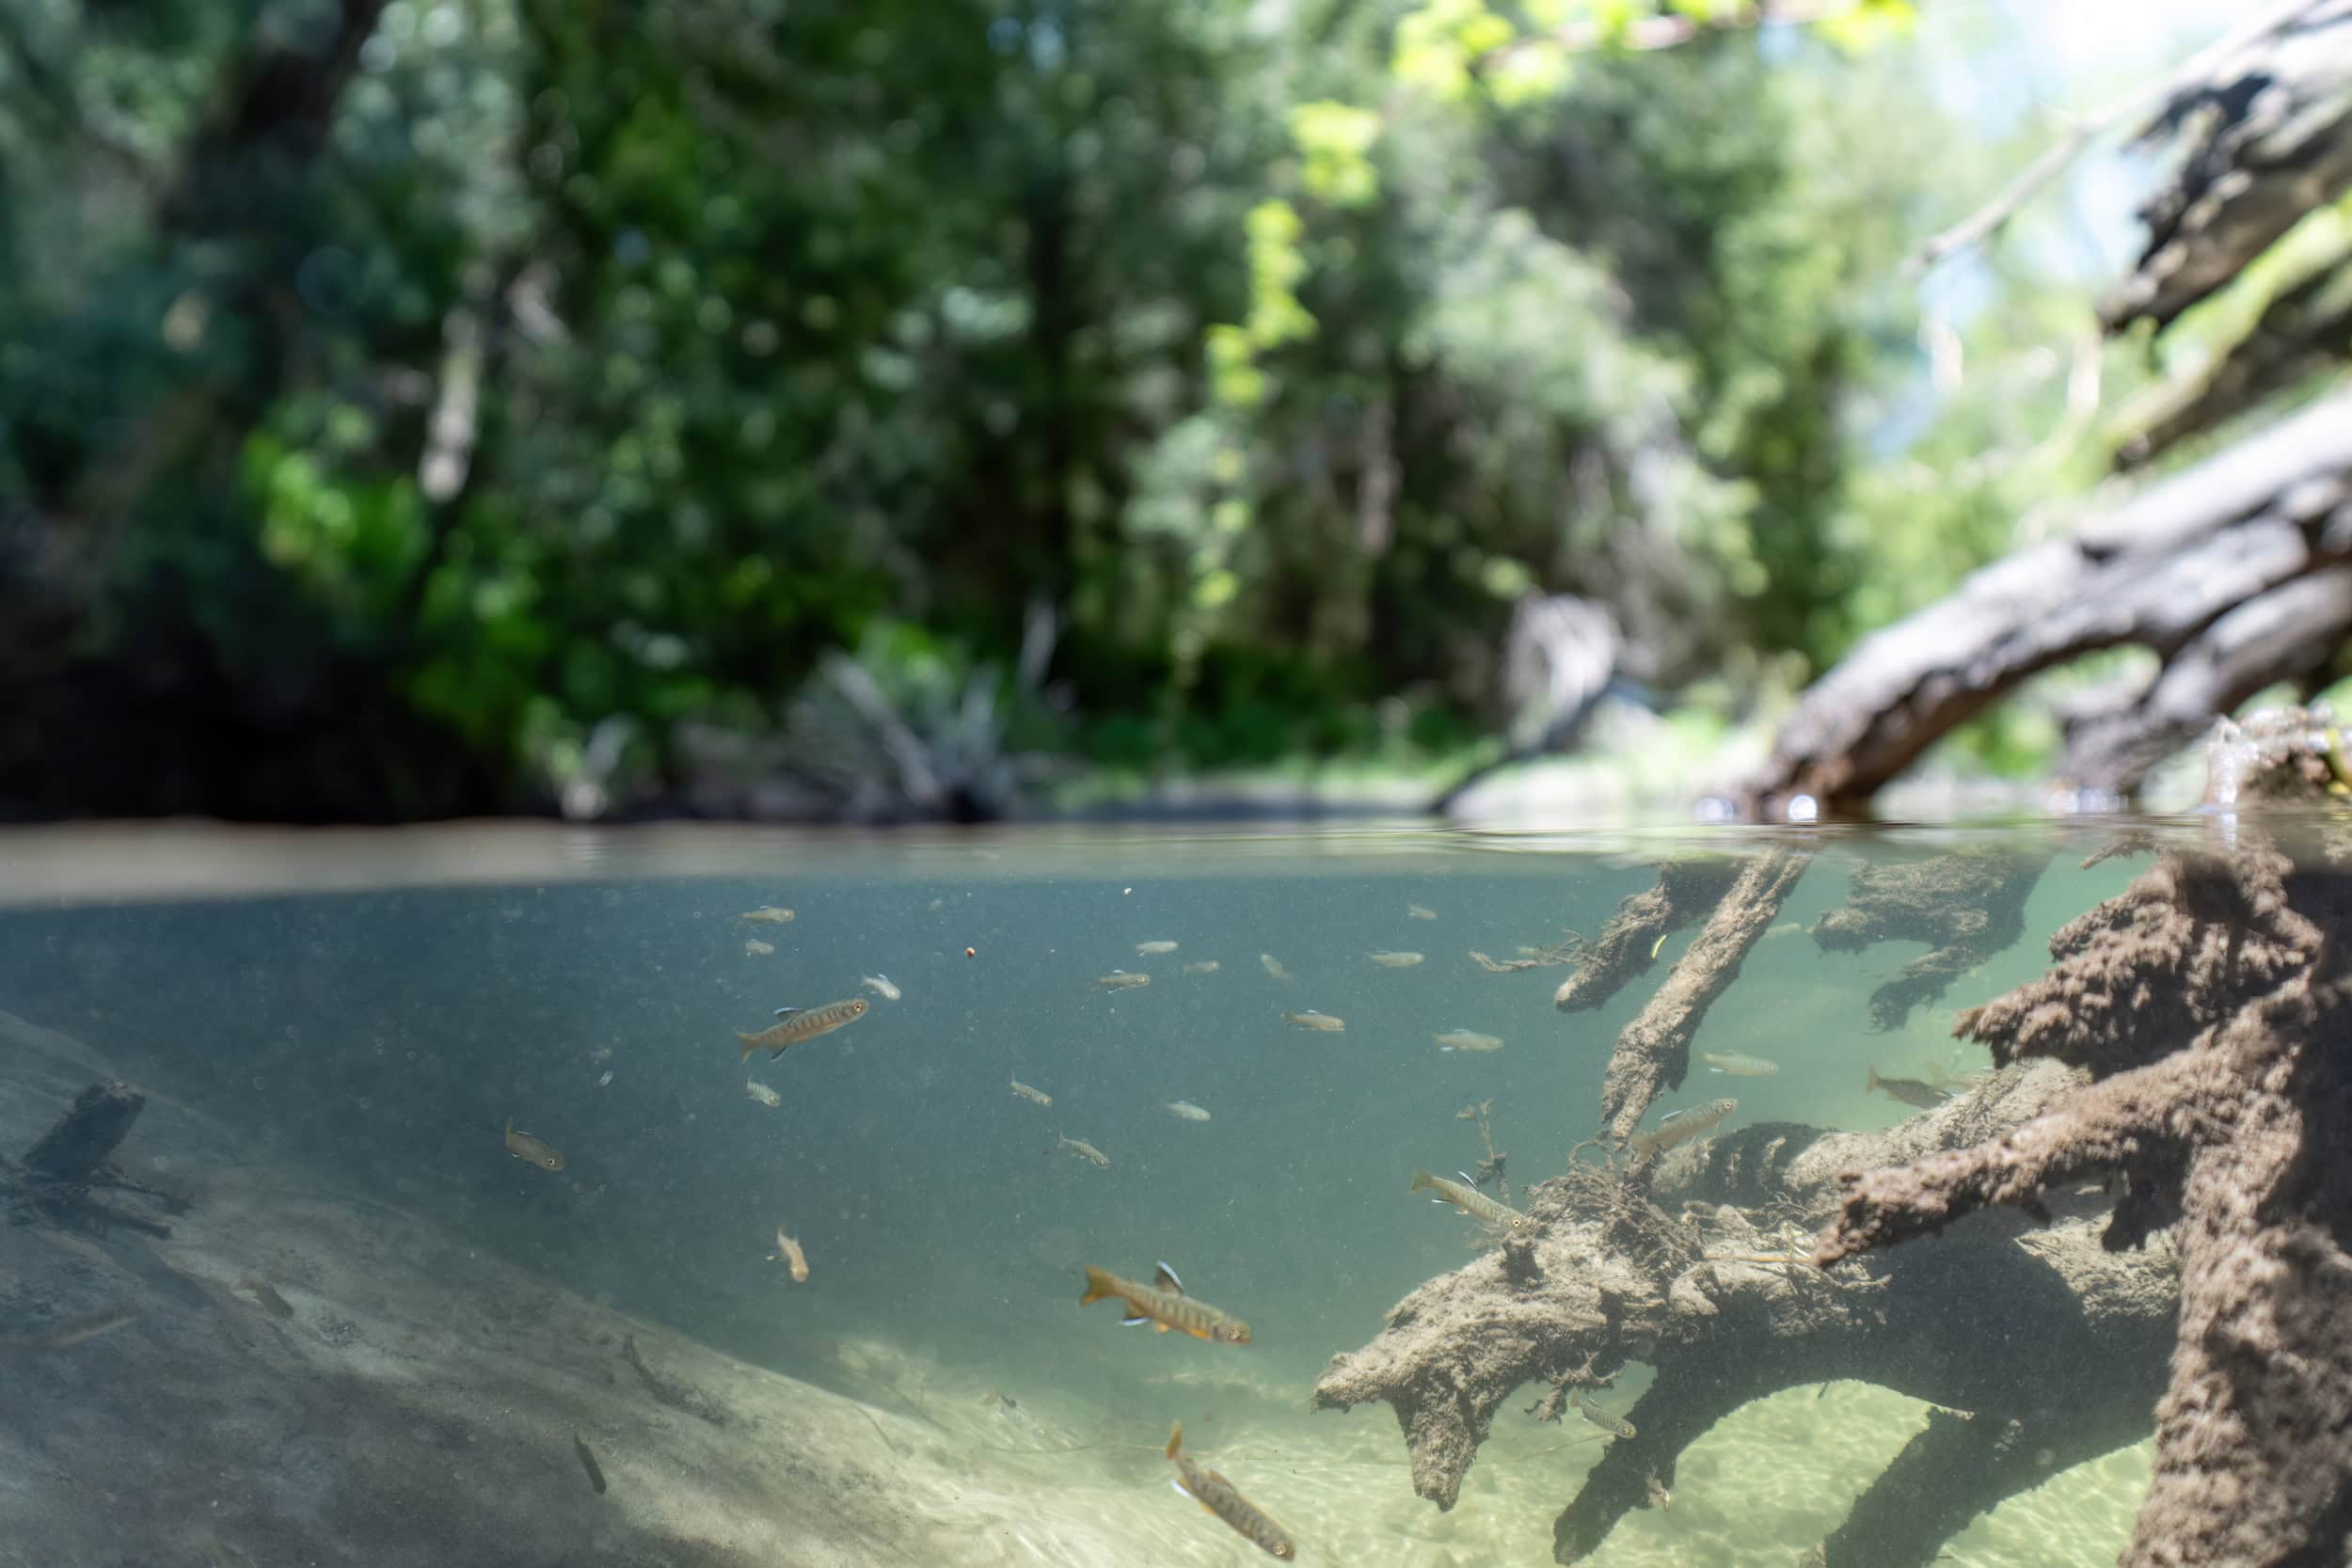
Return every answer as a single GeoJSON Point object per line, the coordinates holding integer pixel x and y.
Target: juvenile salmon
{"type": "Point", "coordinates": [1681, 1127]}
{"type": "Point", "coordinates": [800, 1024]}
{"type": "Point", "coordinates": [1464, 1196]}
{"type": "Point", "coordinates": [536, 1151]}
{"type": "Point", "coordinates": [1164, 1305]}
{"type": "Point", "coordinates": [1222, 1498]}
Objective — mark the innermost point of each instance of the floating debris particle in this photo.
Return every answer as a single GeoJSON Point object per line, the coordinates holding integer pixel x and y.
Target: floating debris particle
{"type": "Point", "coordinates": [1035, 1097]}
{"type": "Point", "coordinates": [263, 1291]}
{"type": "Point", "coordinates": [1321, 1023]}
{"type": "Point", "coordinates": [1466, 1040]}
{"type": "Point", "coordinates": [1149, 949]}
{"type": "Point", "coordinates": [602, 1053]}
{"type": "Point", "coordinates": [1464, 1195]}
{"type": "Point", "coordinates": [1118, 979]}
{"type": "Point", "coordinates": [1417, 913]}
{"type": "Point", "coordinates": [70, 1334]}
{"type": "Point", "coordinates": [536, 1151]}
{"type": "Point", "coordinates": [1737, 1064]}
{"type": "Point", "coordinates": [605, 1079]}
{"type": "Point", "coordinates": [1396, 960]}
{"type": "Point", "coordinates": [793, 1258]}
{"type": "Point", "coordinates": [1659, 943]}
{"type": "Point", "coordinates": [1205, 966]}
{"type": "Point", "coordinates": [801, 1024]}
{"type": "Point", "coordinates": [1164, 1305]}
{"type": "Point", "coordinates": [1184, 1110]}
{"type": "Point", "coordinates": [1910, 1091]}
{"type": "Point", "coordinates": [1682, 1126]}
{"type": "Point", "coordinates": [762, 1093]}
{"type": "Point", "coordinates": [588, 1463]}
{"type": "Point", "coordinates": [768, 914]}
{"type": "Point", "coordinates": [754, 948]}
{"type": "Point", "coordinates": [1274, 967]}
{"type": "Point", "coordinates": [1615, 1426]}
{"type": "Point", "coordinates": [1083, 1151]}
{"type": "Point", "coordinates": [882, 986]}
{"type": "Point", "coordinates": [1219, 1497]}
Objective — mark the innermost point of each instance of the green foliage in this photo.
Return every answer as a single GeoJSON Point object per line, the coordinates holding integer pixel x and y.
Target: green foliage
{"type": "Point", "coordinates": [613, 365]}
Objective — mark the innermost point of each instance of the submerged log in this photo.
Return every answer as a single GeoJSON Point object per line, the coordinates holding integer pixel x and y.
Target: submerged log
{"type": "Point", "coordinates": [85, 1136]}
{"type": "Point", "coordinates": [1966, 907]}
{"type": "Point", "coordinates": [1726, 1310]}
{"type": "Point", "coordinates": [1685, 894]}
{"type": "Point", "coordinates": [2213, 998]}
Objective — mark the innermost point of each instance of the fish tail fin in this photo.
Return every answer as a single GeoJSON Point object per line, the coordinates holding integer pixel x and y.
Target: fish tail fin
{"type": "Point", "coordinates": [750, 1044]}
{"type": "Point", "coordinates": [1421, 1182]}
{"type": "Point", "coordinates": [1871, 1082]}
{"type": "Point", "coordinates": [1098, 1284]}
{"type": "Point", "coordinates": [1175, 1439]}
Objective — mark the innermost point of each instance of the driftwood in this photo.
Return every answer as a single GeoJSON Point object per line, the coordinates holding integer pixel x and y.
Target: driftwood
{"type": "Point", "coordinates": [1967, 907]}
{"type": "Point", "coordinates": [69, 1164]}
{"type": "Point", "coordinates": [2232, 573]}
{"type": "Point", "coordinates": [2269, 132]}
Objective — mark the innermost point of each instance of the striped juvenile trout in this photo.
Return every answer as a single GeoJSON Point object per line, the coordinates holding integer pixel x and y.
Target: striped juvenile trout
{"type": "Point", "coordinates": [1164, 1305]}
{"type": "Point", "coordinates": [1615, 1426]}
{"type": "Point", "coordinates": [800, 1025]}
{"type": "Point", "coordinates": [1221, 1497]}
{"type": "Point", "coordinates": [1681, 1127]}
{"type": "Point", "coordinates": [1469, 1200]}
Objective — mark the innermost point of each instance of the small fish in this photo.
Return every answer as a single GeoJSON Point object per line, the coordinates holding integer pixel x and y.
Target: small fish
{"type": "Point", "coordinates": [1206, 966]}
{"type": "Point", "coordinates": [1737, 1064]}
{"type": "Point", "coordinates": [1035, 1097]}
{"type": "Point", "coordinates": [762, 1093]}
{"type": "Point", "coordinates": [70, 1334]}
{"type": "Point", "coordinates": [789, 1252]}
{"type": "Point", "coordinates": [263, 1291]}
{"type": "Point", "coordinates": [1466, 1040]}
{"type": "Point", "coordinates": [1681, 1127]}
{"type": "Point", "coordinates": [588, 1463]}
{"type": "Point", "coordinates": [1221, 1497]}
{"type": "Point", "coordinates": [1395, 960]}
{"type": "Point", "coordinates": [801, 1024]}
{"type": "Point", "coordinates": [1164, 1305]}
{"type": "Point", "coordinates": [882, 986]}
{"type": "Point", "coordinates": [768, 914]}
{"type": "Point", "coordinates": [1910, 1091]}
{"type": "Point", "coordinates": [1184, 1110]}
{"type": "Point", "coordinates": [522, 1146]}
{"type": "Point", "coordinates": [754, 948]}
{"type": "Point", "coordinates": [1274, 967]}
{"type": "Point", "coordinates": [1417, 913]}
{"type": "Point", "coordinates": [1322, 1024]}
{"type": "Point", "coordinates": [1615, 1426]}
{"type": "Point", "coordinates": [1118, 979]}
{"type": "Point", "coordinates": [1150, 948]}
{"type": "Point", "coordinates": [1464, 1195]}
{"type": "Point", "coordinates": [1083, 1151]}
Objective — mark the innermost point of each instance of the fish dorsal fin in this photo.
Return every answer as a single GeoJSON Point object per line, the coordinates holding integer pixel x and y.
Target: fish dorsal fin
{"type": "Point", "coordinates": [1468, 1179]}
{"type": "Point", "coordinates": [786, 1013]}
{"type": "Point", "coordinates": [1164, 1277]}
{"type": "Point", "coordinates": [1218, 1476]}
{"type": "Point", "coordinates": [1133, 1320]}
{"type": "Point", "coordinates": [1670, 1115]}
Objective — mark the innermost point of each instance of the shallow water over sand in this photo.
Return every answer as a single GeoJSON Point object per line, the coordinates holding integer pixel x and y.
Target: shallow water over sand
{"type": "Point", "coordinates": [333, 1042]}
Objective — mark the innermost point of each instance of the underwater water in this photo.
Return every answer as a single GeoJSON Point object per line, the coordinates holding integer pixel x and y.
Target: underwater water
{"type": "Point", "coordinates": [377, 1334]}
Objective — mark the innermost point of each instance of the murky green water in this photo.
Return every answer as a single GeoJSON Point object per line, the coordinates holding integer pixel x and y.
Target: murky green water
{"type": "Point", "coordinates": [365, 1046]}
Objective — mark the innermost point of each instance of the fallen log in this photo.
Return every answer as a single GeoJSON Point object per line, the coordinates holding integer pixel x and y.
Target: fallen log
{"type": "Point", "coordinates": [2162, 572]}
